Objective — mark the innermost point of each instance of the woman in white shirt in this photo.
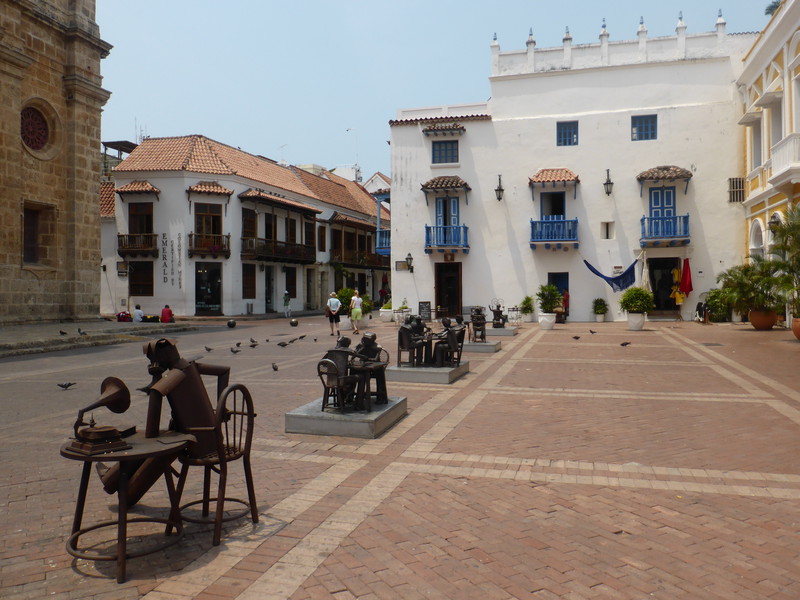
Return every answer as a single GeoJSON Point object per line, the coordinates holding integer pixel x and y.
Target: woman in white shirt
{"type": "Point", "coordinates": [355, 310]}
{"type": "Point", "coordinates": [332, 310]}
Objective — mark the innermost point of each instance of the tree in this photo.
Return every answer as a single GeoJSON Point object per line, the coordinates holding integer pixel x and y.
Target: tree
{"type": "Point", "coordinates": [772, 7]}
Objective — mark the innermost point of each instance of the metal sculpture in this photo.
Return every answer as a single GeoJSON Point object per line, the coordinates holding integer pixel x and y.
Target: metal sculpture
{"type": "Point", "coordinates": [496, 306]}
{"type": "Point", "coordinates": [478, 322]}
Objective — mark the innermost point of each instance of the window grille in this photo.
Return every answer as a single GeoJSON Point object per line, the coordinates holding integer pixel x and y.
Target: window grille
{"type": "Point", "coordinates": [567, 133]}
{"type": "Point", "coordinates": [644, 127]}
{"type": "Point", "coordinates": [736, 189]}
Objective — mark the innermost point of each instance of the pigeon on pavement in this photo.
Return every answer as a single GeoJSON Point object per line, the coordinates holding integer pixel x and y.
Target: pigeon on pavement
{"type": "Point", "coordinates": [274, 366]}
{"type": "Point", "coordinates": [235, 350]}
{"type": "Point", "coordinates": [592, 332]}
{"type": "Point", "coordinates": [208, 349]}
{"type": "Point", "coordinates": [62, 332]}
{"type": "Point", "coordinates": [66, 386]}
{"type": "Point", "coordinates": [576, 337]}
{"type": "Point", "coordinates": [283, 344]}
{"type": "Point", "coordinates": [81, 331]}
{"type": "Point", "coordinates": [625, 344]}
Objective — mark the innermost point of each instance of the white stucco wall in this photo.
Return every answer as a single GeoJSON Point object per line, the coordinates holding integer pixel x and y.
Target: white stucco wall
{"type": "Point", "coordinates": [695, 102]}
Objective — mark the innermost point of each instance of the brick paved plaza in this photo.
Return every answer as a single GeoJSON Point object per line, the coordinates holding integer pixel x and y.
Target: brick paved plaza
{"type": "Point", "coordinates": [558, 468]}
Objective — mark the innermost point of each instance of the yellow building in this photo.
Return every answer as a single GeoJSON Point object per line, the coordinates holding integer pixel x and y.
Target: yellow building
{"type": "Point", "coordinates": [770, 88]}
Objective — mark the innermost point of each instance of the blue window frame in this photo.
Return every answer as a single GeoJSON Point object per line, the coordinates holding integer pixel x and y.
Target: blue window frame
{"type": "Point", "coordinates": [644, 127]}
{"type": "Point", "coordinates": [445, 152]}
{"type": "Point", "coordinates": [567, 133]}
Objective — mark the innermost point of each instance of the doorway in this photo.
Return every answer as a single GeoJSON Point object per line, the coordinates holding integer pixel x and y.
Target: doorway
{"type": "Point", "coordinates": [448, 287]}
{"type": "Point", "coordinates": [208, 289]}
{"type": "Point", "coordinates": [269, 287]}
{"type": "Point", "coordinates": [662, 280]}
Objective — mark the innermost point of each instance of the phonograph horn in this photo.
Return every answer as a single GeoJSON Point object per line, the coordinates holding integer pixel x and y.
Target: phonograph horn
{"type": "Point", "coordinates": [114, 395]}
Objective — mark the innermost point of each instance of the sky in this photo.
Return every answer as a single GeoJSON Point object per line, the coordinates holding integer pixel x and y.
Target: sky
{"type": "Point", "coordinates": [317, 81]}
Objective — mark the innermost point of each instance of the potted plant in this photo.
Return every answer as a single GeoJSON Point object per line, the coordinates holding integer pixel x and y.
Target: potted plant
{"type": "Point", "coordinates": [599, 308]}
{"type": "Point", "coordinates": [549, 299]}
{"type": "Point", "coordinates": [345, 295]}
{"type": "Point", "coordinates": [786, 244]}
{"type": "Point", "coordinates": [386, 311]}
{"type": "Point", "coordinates": [526, 309]}
{"type": "Point", "coordinates": [755, 289]}
{"type": "Point", "coordinates": [637, 302]}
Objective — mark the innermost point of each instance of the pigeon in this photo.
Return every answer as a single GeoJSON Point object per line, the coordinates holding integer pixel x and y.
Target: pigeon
{"type": "Point", "coordinates": [283, 344]}
{"type": "Point", "coordinates": [254, 344]}
{"type": "Point", "coordinates": [274, 366]}
{"type": "Point", "coordinates": [81, 331]}
{"type": "Point", "coordinates": [252, 341]}
{"type": "Point", "coordinates": [293, 340]}
{"type": "Point", "coordinates": [62, 332]}
{"type": "Point", "coordinates": [235, 350]}
{"type": "Point", "coordinates": [315, 339]}
{"type": "Point", "coordinates": [238, 344]}
{"type": "Point", "coordinates": [576, 337]}
{"type": "Point", "coordinates": [625, 344]}
{"type": "Point", "coordinates": [267, 340]}
{"type": "Point", "coordinates": [592, 332]}
{"type": "Point", "coordinates": [302, 337]}
{"type": "Point", "coordinates": [66, 386]}
{"type": "Point", "coordinates": [208, 349]}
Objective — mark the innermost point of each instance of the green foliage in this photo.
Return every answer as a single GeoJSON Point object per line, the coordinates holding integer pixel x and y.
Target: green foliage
{"type": "Point", "coordinates": [637, 300]}
{"type": "Point", "coordinates": [368, 305]}
{"type": "Point", "coordinates": [599, 306]}
{"type": "Point", "coordinates": [388, 304]}
{"type": "Point", "coordinates": [346, 294]}
{"type": "Point", "coordinates": [786, 244]}
{"type": "Point", "coordinates": [404, 304]}
{"type": "Point", "coordinates": [719, 310]}
{"type": "Point", "coordinates": [772, 7]}
{"type": "Point", "coordinates": [549, 298]}
{"type": "Point", "coordinates": [526, 306]}
{"type": "Point", "coordinates": [753, 286]}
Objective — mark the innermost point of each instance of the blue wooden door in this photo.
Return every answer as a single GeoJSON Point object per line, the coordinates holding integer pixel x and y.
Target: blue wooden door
{"type": "Point", "coordinates": [662, 211]}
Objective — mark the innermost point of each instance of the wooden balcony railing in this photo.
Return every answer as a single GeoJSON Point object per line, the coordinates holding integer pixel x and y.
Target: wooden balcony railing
{"type": "Point", "coordinates": [275, 250]}
{"type": "Point", "coordinates": [205, 244]}
{"type": "Point", "coordinates": [137, 244]}
{"type": "Point", "coordinates": [359, 258]}
{"type": "Point", "coordinates": [383, 241]}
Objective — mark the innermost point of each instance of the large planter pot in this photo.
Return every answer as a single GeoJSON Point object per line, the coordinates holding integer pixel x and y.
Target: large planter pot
{"type": "Point", "coordinates": [547, 320]}
{"type": "Point", "coordinates": [636, 321]}
{"type": "Point", "coordinates": [527, 317]}
{"type": "Point", "coordinates": [344, 323]}
{"type": "Point", "coordinates": [796, 327]}
{"type": "Point", "coordinates": [385, 314]}
{"type": "Point", "coordinates": [600, 318]}
{"type": "Point", "coordinates": [762, 320]}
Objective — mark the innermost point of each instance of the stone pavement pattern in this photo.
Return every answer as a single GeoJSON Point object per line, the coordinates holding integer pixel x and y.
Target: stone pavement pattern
{"type": "Point", "coordinates": [558, 468]}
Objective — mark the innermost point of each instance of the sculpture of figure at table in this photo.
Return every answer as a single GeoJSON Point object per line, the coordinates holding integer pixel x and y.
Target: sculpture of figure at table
{"type": "Point", "coordinates": [180, 381]}
{"type": "Point", "coordinates": [371, 351]}
{"type": "Point", "coordinates": [409, 340]}
{"type": "Point", "coordinates": [341, 355]}
{"type": "Point", "coordinates": [478, 320]}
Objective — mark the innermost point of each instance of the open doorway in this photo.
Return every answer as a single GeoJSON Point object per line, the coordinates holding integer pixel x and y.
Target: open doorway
{"type": "Point", "coordinates": [665, 273]}
{"type": "Point", "coordinates": [448, 287]}
{"type": "Point", "coordinates": [208, 289]}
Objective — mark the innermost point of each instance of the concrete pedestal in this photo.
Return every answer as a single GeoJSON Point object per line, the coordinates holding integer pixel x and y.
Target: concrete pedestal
{"type": "Point", "coordinates": [444, 375]}
{"type": "Point", "coordinates": [312, 420]}
{"type": "Point", "coordinates": [501, 331]}
{"type": "Point", "coordinates": [488, 347]}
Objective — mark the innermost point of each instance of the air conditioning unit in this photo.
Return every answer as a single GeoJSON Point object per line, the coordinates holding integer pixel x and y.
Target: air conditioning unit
{"type": "Point", "coordinates": [249, 308]}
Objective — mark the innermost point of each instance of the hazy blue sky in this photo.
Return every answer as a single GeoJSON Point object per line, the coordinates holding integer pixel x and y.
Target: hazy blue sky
{"type": "Point", "coordinates": [288, 79]}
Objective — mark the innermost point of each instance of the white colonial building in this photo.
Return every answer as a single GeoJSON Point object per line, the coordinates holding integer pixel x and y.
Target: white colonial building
{"type": "Point", "coordinates": [212, 230]}
{"type": "Point", "coordinates": [607, 152]}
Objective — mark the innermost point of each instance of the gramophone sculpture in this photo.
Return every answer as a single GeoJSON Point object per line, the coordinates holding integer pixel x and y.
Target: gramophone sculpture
{"type": "Point", "coordinates": [90, 440]}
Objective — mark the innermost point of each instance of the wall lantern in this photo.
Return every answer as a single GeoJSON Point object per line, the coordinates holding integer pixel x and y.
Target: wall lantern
{"type": "Point", "coordinates": [261, 267]}
{"type": "Point", "coordinates": [410, 262]}
{"type": "Point", "coordinates": [498, 191]}
{"type": "Point", "coordinates": [608, 185]}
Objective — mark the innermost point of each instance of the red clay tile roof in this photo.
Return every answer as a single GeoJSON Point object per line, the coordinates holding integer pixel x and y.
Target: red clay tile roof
{"type": "Point", "coordinates": [551, 175]}
{"type": "Point", "coordinates": [199, 154]}
{"type": "Point", "coordinates": [446, 182]}
{"type": "Point", "coordinates": [382, 192]}
{"type": "Point", "coordinates": [138, 187]}
{"type": "Point", "coordinates": [436, 127]}
{"type": "Point", "coordinates": [336, 190]}
{"type": "Point", "coordinates": [262, 196]}
{"type": "Point", "coordinates": [209, 187]}
{"type": "Point", "coordinates": [440, 119]}
{"type": "Point", "coordinates": [352, 221]}
{"type": "Point", "coordinates": [384, 177]}
{"type": "Point", "coordinates": [664, 173]}
{"type": "Point", "coordinates": [107, 198]}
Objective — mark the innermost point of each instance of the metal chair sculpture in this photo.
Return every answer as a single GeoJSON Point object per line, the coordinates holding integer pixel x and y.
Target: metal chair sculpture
{"type": "Point", "coordinates": [223, 435]}
{"type": "Point", "coordinates": [338, 386]}
{"type": "Point", "coordinates": [478, 320]}
{"type": "Point", "coordinates": [496, 306]}
{"type": "Point", "coordinates": [378, 375]}
{"type": "Point", "coordinates": [406, 343]}
{"type": "Point", "coordinates": [447, 353]}
{"type": "Point", "coordinates": [234, 420]}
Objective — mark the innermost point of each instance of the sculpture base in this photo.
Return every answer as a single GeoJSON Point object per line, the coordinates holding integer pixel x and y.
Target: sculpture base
{"type": "Point", "coordinates": [443, 375]}
{"type": "Point", "coordinates": [488, 347]}
{"type": "Point", "coordinates": [505, 331]}
{"type": "Point", "coordinates": [312, 420]}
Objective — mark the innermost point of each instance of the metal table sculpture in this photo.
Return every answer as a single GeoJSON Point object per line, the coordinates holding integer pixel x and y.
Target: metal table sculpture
{"type": "Point", "coordinates": [346, 374]}
{"type": "Point", "coordinates": [429, 349]}
{"type": "Point", "coordinates": [478, 321]}
{"type": "Point", "coordinates": [496, 306]}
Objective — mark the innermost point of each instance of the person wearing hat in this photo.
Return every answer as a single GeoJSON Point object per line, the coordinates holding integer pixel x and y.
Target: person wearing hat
{"type": "Point", "coordinates": [287, 310]}
{"type": "Point", "coordinates": [332, 309]}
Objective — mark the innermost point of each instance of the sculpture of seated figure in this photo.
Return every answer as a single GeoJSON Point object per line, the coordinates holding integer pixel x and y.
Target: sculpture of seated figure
{"type": "Point", "coordinates": [371, 351]}
{"type": "Point", "coordinates": [409, 340]}
{"type": "Point", "coordinates": [497, 310]}
{"type": "Point", "coordinates": [478, 320]}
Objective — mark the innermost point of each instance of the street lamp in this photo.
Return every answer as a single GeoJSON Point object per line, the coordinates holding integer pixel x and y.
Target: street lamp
{"type": "Point", "coordinates": [498, 191]}
{"type": "Point", "coordinates": [410, 262]}
{"type": "Point", "coordinates": [608, 185]}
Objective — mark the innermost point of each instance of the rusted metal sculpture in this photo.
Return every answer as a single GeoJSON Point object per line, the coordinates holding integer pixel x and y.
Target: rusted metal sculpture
{"type": "Point", "coordinates": [346, 374]}
{"type": "Point", "coordinates": [91, 440]}
{"type": "Point", "coordinates": [478, 322]}
{"type": "Point", "coordinates": [496, 306]}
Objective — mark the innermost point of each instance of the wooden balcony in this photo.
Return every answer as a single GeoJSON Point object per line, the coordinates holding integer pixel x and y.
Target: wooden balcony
{"type": "Point", "coordinates": [277, 251]}
{"type": "Point", "coordinates": [137, 244]}
{"type": "Point", "coordinates": [554, 233]}
{"type": "Point", "coordinates": [206, 244]}
{"type": "Point", "coordinates": [359, 258]}
{"type": "Point", "coordinates": [446, 238]}
{"type": "Point", "coordinates": [665, 231]}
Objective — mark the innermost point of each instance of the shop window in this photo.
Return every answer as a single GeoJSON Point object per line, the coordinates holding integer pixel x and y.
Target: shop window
{"type": "Point", "coordinates": [140, 278]}
{"type": "Point", "coordinates": [248, 281]}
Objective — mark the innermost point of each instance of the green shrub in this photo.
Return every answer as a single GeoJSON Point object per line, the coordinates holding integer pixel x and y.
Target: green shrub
{"type": "Point", "coordinates": [526, 306]}
{"type": "Point", "coordinates": [599, 306]}
{"type": "Point", "coordinates": [549, 298]}
{"type": "Point", "coordinates": [637, 300]}
{"type": "Point", "coordinates": [719, 310]}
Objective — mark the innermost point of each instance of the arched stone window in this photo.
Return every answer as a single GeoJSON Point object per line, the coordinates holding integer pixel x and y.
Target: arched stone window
{"type": "Point", "coordinates": [756, 238]}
